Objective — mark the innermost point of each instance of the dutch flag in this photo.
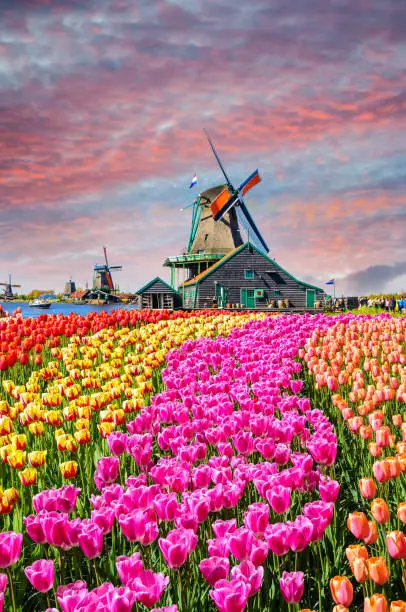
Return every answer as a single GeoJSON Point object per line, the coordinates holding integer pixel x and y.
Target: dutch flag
{"type": "Point", "coordinates": [330, 282]}
{"type": "Point", "coordinates": [194, 181]}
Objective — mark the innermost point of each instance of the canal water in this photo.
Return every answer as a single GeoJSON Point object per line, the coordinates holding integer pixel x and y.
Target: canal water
{"type": "Point", "coordinates": [62, 308]}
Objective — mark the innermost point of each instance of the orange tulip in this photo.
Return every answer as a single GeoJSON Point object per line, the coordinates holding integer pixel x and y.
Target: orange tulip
{"type": "Point", "coordinates": [402, 512]}
{"type": "Point", "coordinates": [340, 608]}
{"type": "Point", "coordinates": [356, 551]}
{"type": "Point", "coordinates": [69, 469]}
{"type": "Point", "coordinates": [394, 466]}
{"type": "Point", "coordinates": [367, 488]}
{"type": "Point", "coordinates": [396, 543]}
{"type": "Point", "coordinates": [378, 570]}
{"type": "Point", "coordinates": [380, 510]}
{"type": "Point", "coordinates": [397, 420]}
{"type": "Point", "coordinates": [365, 432]}
{"type": "Point", "coordinates": [357, 523]}
{"type": "Point", "coordinates": [398, 606]}
{"type": "Point", "coordinates": [28, 476]}
{"type": "Point", "coordinates": [376, 603]}
{"type": "Point", "coordinates": [342, 590]}
{"type": "Point", "coordinates": [374, 449]}
{"type": "Point", "coordinates": [372, 536]}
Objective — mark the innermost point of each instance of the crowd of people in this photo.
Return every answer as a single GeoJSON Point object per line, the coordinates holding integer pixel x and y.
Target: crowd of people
{"type": "Point", "coordinates": [388, 303]}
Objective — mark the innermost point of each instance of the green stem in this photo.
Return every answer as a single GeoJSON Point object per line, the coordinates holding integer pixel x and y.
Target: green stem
{"type": "Point", "coordinates": [11, 585]}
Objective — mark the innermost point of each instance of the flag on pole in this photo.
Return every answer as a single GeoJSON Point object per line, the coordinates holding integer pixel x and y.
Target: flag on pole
{"type": "Point", "coordinates": [194, 181]}
{"type": "Point", "coordinates": [331, 282]}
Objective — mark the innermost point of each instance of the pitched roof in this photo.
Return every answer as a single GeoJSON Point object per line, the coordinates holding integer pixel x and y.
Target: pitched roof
{"type": "Point", "coordinates": [154, 280]}
{"type": "Point", "coordinates": [222, 261]}
{"type": "Point", "coordinates": [211, 269]}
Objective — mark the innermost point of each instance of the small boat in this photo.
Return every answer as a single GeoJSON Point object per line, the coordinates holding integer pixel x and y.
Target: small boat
{"type": "Point", "coordinates": [38, 303]}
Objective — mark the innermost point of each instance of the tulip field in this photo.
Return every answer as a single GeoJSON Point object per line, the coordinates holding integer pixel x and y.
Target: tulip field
{"type": "Point", "coordinates": [203, 461]}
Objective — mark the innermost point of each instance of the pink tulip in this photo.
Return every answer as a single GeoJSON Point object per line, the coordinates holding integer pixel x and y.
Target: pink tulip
{"type": "Point", "coordinates": [91, 540]}
{"type": "Point", "coordinates": [41, 574]}
{"type": "Point", "coordinates": [129, 568]}
{"type": "Point", "coordinates": [139, 526]}
{"type": "Point", "coordinates": [223, 528]}
{"type": "Point", "coordinates": [251, 575]}
{"type": "Point", "coordinates": [257, 520]}
{"type": "Point", "coordinates": [104, 519]}
{"type": "Point", "coordinates": [107, 469]}
{"type": "Point", "coordinates": [214, 569]}
{"type": "Point", "coordinates": [279, 498]}
{"type": "Point", "coordinates": [277, 536]}
{"type": "Point", "coordinates": [117, 442]}
{"type": "Point", "coordinates": [292, 586]}
{"type": "Point", "coordinates": [10, 548]}
{"type": "Point", "coordinates": [329, 490]}
{"type": "Point", "coordinates": [240, 543]}
{"type": "Point", "coordinates": [231, 596]}
{"type": "Point", "coordinates": [173, 608]}
{"type": "Point", "coordinates": [177, 545]}
{"type": "Point", "coordinates": [3, 582]}
{"type": "Point", "coordinates": [148, 587]}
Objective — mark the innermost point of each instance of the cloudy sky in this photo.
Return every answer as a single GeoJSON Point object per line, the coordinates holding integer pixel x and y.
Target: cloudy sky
{"type": "Point", "coordinates": [102, 105]}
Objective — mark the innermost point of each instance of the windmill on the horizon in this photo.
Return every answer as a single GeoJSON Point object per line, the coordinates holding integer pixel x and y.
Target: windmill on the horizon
{"type": "Point", "coordinates": [102, 278]}
{"type": "Point", "coordinates": [7, 293]}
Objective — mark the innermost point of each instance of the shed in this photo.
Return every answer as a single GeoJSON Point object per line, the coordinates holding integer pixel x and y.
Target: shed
{"type": "Point", "coordinates": [248, 278]}
{"type": "Point", "coordinates": [158, 294]}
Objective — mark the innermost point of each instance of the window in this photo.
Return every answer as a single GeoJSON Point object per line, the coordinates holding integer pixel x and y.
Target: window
{"type": "Point", "coordinates": [277, 293]}
{"type": "Point", "coordinates": [206, 236]}
{"type": "Point", "coordinates": [249, 274]}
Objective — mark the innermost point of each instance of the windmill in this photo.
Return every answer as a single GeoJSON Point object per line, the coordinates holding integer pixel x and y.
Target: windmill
{"type": "Point", "coordinates": [220, 217]}
{"type": "Point", "coordinates": [8, 291]}
{"type": "Point", "coordinates": [102, 278]}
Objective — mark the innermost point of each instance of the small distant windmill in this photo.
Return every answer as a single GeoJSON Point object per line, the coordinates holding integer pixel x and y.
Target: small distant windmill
{"type": "Point", "coordinates": [7, 293]}
{"type": "Point", "coordinates": [102, 278]}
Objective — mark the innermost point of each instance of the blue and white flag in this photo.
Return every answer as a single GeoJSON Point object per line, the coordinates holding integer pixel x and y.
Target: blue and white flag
{"type": "Point", "coordinates": [330, 282]}
{"type": "Point", "coordinates": [194, 181]}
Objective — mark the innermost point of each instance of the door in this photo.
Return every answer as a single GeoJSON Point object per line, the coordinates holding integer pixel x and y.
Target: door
{"type": "Point", "coordinates": [310, 298]}
{"type": "Point", "coordinates": [248, 298]}
{"type": "Point", "coordinates": [221, 295]}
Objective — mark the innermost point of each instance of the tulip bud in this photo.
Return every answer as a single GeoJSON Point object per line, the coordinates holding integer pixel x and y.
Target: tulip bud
{"type": "Point", "coordinates": [378, 570]}
{"type": "Point", "coordinates": [376, 603]}
{"type": "Point", "coordinates": [380, 510]}
{"type": "Point", "coordinates": [367, 488]}
{"type": "Point", "coordinates": [341, 590]}
{"type": "Point", "coordinates": [357, 523]}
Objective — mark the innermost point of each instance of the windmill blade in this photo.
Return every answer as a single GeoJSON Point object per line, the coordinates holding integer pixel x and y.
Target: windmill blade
{"type": "Point", "coordinates": [249, 182]}
{"type": "Point", "coordinates": [248, 221]}
{"type": "Point", "coordinates": [222, 204]}
{"type": "Point", "coordinates": [218, 159]}
{"type": "Point", "coordinates": [115, 267]}
{"type": "Point", "coordinates": [16, 285]}
{"type": "Point", "coordinates": [105, 255]}
{"type": "Point", "coordinates": [5, 284]}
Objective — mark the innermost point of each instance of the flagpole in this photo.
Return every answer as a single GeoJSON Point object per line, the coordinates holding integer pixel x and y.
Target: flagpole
{"type": "Point", "coordinates": [334, 289]}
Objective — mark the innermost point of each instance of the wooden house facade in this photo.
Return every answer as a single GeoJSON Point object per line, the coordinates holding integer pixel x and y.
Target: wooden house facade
{"type": "Point", "coordinates": [248, 278]}
{"type": "Point", "coordinates": [158, 294]}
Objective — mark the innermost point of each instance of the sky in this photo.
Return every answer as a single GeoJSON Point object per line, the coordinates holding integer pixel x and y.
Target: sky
{"type": "Point", "coordinates": [102, 110]}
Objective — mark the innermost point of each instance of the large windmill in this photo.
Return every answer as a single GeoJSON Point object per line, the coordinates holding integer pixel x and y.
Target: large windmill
{"type": "Point", "coordinates": [102, 278]}
{"type": "Point", "coordinates": [7, 293]}
{"type": "Point", "coordinates": [220, 218]}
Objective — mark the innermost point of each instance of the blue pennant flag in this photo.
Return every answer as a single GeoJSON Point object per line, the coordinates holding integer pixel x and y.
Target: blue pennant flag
{"type": "Point", "coordinates": [330, 282]}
